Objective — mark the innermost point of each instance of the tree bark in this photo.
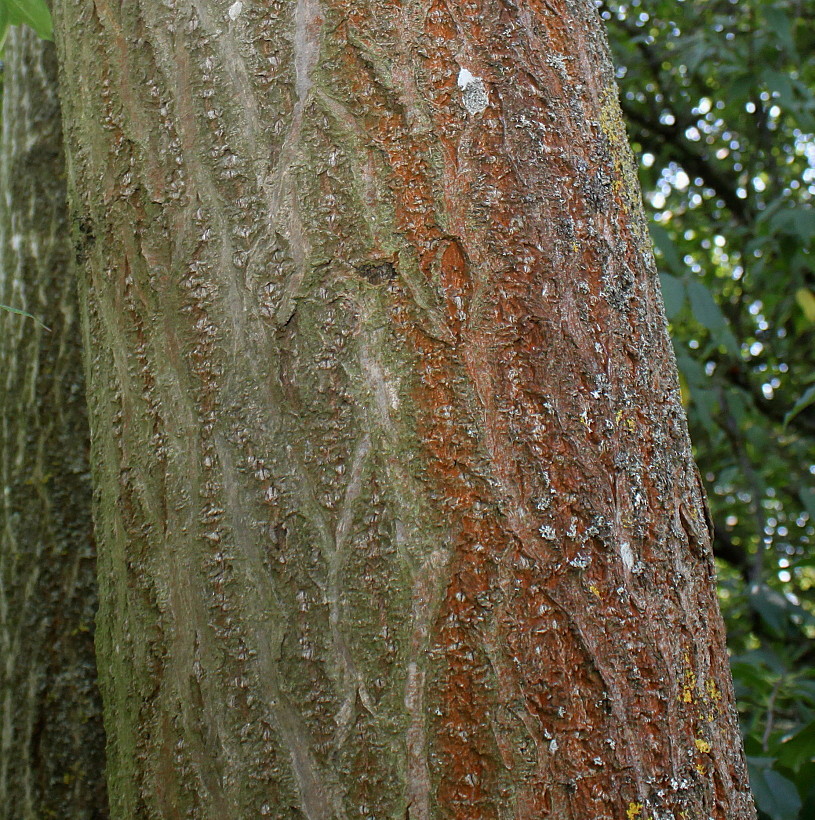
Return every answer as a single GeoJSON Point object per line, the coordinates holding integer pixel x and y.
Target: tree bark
{"type": "Point", "coordinates": [52, 744]}
{"type": "Point", "coordinates": [396, 505]}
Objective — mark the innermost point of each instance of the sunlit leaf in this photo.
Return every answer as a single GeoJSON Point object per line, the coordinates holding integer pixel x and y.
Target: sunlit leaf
{"type": "Point", "coordinates": [4, 24]}
{"type": "Point", "coordinates": [806, 301]}
{"type": "Point", "coordinates": [34, 13]}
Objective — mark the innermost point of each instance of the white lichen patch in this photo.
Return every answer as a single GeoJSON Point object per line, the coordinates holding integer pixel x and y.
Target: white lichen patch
{"type": "Point", "coordinates": [465, 77]}
{"type": "Point", "coordinates": [627, 555]}
{"type": "Point", "coordinates": [476, 98]}
{"type": "Point", "coordinates": [235, 9]}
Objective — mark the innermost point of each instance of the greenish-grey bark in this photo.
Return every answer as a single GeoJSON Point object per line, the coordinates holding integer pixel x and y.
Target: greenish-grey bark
{"type": "Point", "coordinates": [52, 744]}
{"type": "Point", "coordinates": [396, 507]}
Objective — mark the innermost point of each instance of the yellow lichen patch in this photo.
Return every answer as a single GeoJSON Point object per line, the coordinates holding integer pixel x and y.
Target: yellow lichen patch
{"type": "Point", "coordinates": [611, 121]}
{"type": "Point", "coordinates": [688, 683]}
{"type": "Point", "coordinates": [702, 745]}
{"type": "Point", "coordinates": [594, 590]}
{"type": "Point", "coordinates": [712, 690]}
{"type": "Point", "coordinates": [629, 422]}
{"type": "Point", "coordinates": [624, 185]}
{"type": "Point", "coordinates": [634, 811]}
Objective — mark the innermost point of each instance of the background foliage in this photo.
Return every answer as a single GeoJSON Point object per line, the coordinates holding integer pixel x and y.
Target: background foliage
{"type": "Point", "coordinates": [720, 100]}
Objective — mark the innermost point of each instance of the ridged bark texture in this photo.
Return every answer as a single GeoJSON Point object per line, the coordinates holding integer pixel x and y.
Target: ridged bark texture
{"type": "Point", "coordinates": [52, 744]}
{"type": "Point", "coordinates": [397, 511]}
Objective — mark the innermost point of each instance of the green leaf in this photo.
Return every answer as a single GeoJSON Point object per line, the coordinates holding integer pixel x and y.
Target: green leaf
{"type": "Point", "coordinates": [4, 24]}
{"type": "Point", "coordinates": [666, 247]}
{"type": "Point", "coordinates": [765, 657]}
{"type": "Point", "coordinates": [798, 222]}
{"type": "Point", "coordinates": [695, 55]}
{"type": "Point", "coordinates": [803, 402]}
{"type": "Point", "coordinates": [709, 315]}
{"type": "Point", "coordinates": [780, 83]}
{"type": "Point", "coordinates": [807, 497]}
{"type": "Point", "coordinates": [774, 794]}
{"type": "Point", "coordinates": [727, 338]}
{"type": "Point", "coordinates": [690, 368]}
{"type": "Point", "coordinates": [780, 25]}
{"type": "Point", "coordinates": [742, 87]}
{"type": "Point", "coordinates": [798, 749]}
{"type": "Point", "coordinates": [705, 310]}
{"type": "Point", "coordinates": [805, 780]}
{"type": "Point", "coordinates": [806, 689]}
{"type": "Point", "coordinates": [771, 607]}
{"type": "Point", "coordinates": [32, 12]}
{"type": "Point", "coordinates": [23, 313]}
{"type": "Point", "coordinates": [14, 17]}
{"type": "Point", "coordinates": [673, 294]}
{"type": "Point", "coordinates": [749, 677]}
{"type": "Point", "coordinates": [704, 404]}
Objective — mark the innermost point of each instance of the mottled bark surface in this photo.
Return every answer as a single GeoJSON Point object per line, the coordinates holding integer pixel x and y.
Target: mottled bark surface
{"type": "Point", "coordinates": [52, 745]}
{"type": "Point", "coordinates": [397, 511]}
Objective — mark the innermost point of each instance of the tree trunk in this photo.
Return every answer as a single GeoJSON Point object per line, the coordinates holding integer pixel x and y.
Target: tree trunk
{"type": "Point", "coordinates": [52, 745]}
{"type": "Point", "coordinates": [396, 506]}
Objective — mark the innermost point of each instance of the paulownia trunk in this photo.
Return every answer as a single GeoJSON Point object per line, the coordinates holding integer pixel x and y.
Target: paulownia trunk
{"type": "Point", "coordinates": [396, 505]}
{"type": "Point", "coordinates": [51, 745]}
